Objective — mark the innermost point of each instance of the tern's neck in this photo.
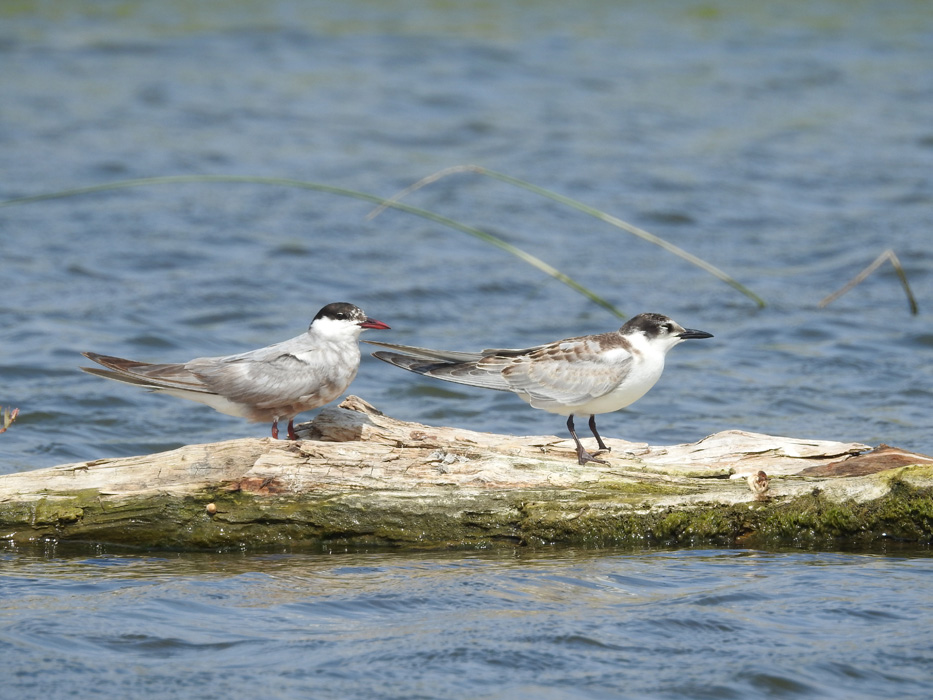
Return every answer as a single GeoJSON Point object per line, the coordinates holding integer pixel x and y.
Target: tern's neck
{"type": "Point", "coordinates": [649, 347]}
{"type": "Point", "coordinates": [325, 330]}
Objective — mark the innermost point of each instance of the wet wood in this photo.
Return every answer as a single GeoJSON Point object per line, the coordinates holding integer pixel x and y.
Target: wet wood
{"type": "Point", "coordinates": [359, 477]}
{"type": "Point", "coordinates": [880, 459]}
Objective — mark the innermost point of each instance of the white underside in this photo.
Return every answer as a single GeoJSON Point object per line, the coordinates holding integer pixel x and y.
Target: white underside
{"type": "Point", "coordinates": [215, 401]}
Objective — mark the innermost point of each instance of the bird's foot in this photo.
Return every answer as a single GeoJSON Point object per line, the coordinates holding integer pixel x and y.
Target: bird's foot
{"type": "Point", "coordinates": [583, 457]}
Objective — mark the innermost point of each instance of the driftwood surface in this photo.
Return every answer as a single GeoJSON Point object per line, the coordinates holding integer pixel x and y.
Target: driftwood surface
{"type": "Point", "coordinates": [357, 477]}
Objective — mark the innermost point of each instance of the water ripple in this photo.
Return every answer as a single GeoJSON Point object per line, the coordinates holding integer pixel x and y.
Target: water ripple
{"type": "Point", "coordinates": [594, 623]}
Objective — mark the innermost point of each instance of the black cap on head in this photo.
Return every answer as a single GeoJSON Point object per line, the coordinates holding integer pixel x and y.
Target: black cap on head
{"type": "Point", "coordinates": [341, 311]}
{"type": "Point", "coordinates": [651, 325]}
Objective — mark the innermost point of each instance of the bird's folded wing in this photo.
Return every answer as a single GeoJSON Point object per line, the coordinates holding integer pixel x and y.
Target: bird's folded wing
{"type": "Point", "coordinates": [567, 374]}
{"type": "Point", "coordinates": [265, 382]}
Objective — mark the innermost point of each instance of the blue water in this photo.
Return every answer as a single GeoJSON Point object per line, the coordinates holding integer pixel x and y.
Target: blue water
{"type": "Point", "coordinates": [695, 624]}
{"type": "Point", "coordinates": [787, 143]}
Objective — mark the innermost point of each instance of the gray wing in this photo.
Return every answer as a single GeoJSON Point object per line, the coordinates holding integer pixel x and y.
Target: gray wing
{"type": "Point", "coordinates": [276, 375]}
{"type": "Point", "coordinates": [265, 378]}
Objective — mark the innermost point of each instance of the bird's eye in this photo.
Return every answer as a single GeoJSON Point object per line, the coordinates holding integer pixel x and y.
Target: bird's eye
{"type": "Point", "coordinates": [341, 316]}
{"type": "Point", "coordinates": [669, 327]}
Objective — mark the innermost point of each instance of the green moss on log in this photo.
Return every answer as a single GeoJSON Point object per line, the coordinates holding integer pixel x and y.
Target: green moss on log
{"type": "Point", "coordinates": [904, 513]}
{"type": "Point", "coordinates": [439, 517]}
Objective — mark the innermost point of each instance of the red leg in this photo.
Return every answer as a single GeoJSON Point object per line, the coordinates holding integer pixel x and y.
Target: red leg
{"type": "Point", "coordinates": [275, 429]}
{"type": "Point", "coordinates": [291, 430]}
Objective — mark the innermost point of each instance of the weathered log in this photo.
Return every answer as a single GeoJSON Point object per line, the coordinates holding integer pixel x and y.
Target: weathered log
{"type": "Point", "coordinates": [358, 477]}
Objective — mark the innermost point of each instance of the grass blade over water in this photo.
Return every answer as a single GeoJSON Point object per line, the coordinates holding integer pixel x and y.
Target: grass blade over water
{"type": "Point", "coordinates": [570, 202]}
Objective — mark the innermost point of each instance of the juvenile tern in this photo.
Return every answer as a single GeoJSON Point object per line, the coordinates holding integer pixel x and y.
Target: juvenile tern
{"type": "Point", "coordinates": [587, 375]}
{"type": "Point", "coordinates": [269, 384]}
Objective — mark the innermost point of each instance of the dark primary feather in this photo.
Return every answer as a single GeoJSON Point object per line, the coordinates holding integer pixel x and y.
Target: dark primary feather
{"type": "Point", "coordinates": [428, 354]}
{"type": "Point", "coordinates": [151, 376]}
{"type": "Point", "coordinates": [458, 372]}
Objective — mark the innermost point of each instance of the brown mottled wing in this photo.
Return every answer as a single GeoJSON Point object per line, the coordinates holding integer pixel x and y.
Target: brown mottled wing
{"type": "Point", "coordinates": [567, 373]}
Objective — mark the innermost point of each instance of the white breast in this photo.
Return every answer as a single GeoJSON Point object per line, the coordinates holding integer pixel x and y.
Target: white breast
{"type": "Point", "coordinates": [644, 374]}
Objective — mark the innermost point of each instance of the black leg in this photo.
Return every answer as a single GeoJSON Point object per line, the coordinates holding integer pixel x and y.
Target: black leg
{"type": "Point", "coordinates": [582, 455]}
{"type": "Point", "coordinates": [599, 440]}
